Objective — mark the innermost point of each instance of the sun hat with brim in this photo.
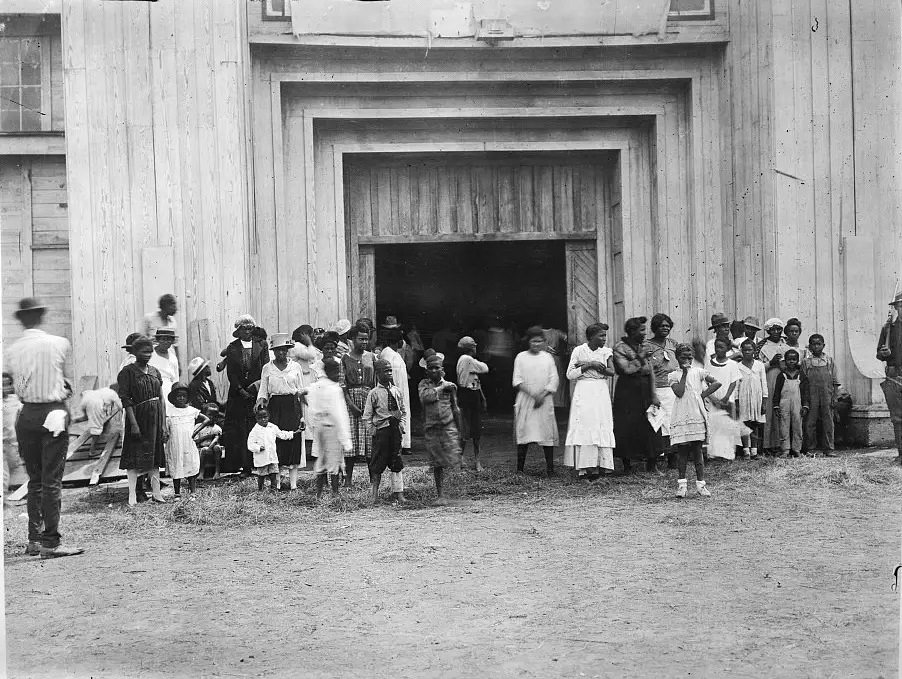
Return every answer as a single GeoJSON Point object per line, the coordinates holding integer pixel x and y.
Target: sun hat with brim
{"type": "Point", "coordinates": [466, 342]}
{"type": "Point", "coordinates": [244, 321]}
{"type": "Point", "coordinates": [195, 365]}
{"type": "Point", "coordinates": [341, 326]}
{"type": "Point", "coordinates": [391, 322]}
{"type": "Point", "coordinates": [896, 299]}
{"type": "Point", "coordinates": [752, 322]}
{"type": "Point", "coordinates": [29, 304]}
{"type": "Point", "coordinates": [718, 320]}
{"type": "Point", "coordinates": [165, 332]}
{"type": "Point", "coordinates": [432, 357]}
{"type": "Point", "coordinates": [771, 322]}
{"type": "Point", "coordinates": [280, 340]}
{"type": "Point", "coordinates": [177, 387]}
{"type": "Point", "coordinates": [130, 340]}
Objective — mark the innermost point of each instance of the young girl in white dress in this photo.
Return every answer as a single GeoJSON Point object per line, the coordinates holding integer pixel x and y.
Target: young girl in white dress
{"type": "Point", "coordinates": [723, 427]}
{"type": "Point", "coordinates": [689, 418]}
{"type": "Point", "coordinates": [182, 455]}
{"type": "Point", "coordinates": [589, 446]}
{"type": "Point", "coordinates": [752, 397]}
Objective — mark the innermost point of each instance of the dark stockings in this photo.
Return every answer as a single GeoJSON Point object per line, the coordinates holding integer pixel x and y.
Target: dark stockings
{"type": "Point", "coordinates": [273, 481]}
{"type": "Point", "coordinates": [683, 452]}
{"type": "Point", "coordinates": [549, 457]}
{"type": "Point", "coordinates": [349, 471]}
{"type": "Point", "coordinates": [439, 474]}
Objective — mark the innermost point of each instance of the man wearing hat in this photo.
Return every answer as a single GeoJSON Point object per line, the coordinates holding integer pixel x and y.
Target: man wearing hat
{"type": "Point", "coordinates": [39, 364]}
{"type": "Point", "coordinates": [201, 389]}
{"type": "Point", "coordinates": [720, 324]}
{"type": "Point", "coordinates": [889, 350]}
{"type": "Point", "coordinates": [470, 395]}
{"type": "Point", "coordinates": [441, 418]}
{"type": "Point", "coordinates": [163, 317]}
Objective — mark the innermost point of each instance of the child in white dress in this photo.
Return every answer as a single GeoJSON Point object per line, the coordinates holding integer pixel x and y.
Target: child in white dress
{"type": "Point", "coordinates": [328, 413]}
{"type": "Point", "coordinates": [689, 418]}
{"type": "Point", "coordinates": [262, 443]}
{"type": "Point", "coordinates": [723, 427]}
{"type": "Point", "coordinates": [752, 397]}
{"type": "Point", "coordinates": [182, 455]}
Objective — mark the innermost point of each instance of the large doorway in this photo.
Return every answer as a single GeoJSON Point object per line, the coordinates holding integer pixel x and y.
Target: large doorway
{"type": "Point", "coordinates": [449, 290]}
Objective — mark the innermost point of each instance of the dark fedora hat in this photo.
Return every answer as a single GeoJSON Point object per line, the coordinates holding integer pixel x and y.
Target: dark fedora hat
{"type": "Point", "coordinates": [28, 304]}
{"type": "Point", "coordinates": [717, 320]}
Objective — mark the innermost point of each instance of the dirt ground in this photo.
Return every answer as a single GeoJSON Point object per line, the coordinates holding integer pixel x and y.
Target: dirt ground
{"type": "Point", "coordinates": [784, 572]}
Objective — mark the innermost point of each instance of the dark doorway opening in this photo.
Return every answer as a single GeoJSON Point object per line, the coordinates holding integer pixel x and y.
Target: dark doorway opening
{"type": "Point", "coordinates": [449, 290]}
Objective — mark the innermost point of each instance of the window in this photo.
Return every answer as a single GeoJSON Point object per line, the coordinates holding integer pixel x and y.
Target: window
{"type": "Point", "coordinates": [21, 86]}
{"type": "Point", "coordinates": [691, 9]}
{"type": "Point", "coordinates": [276, 10]}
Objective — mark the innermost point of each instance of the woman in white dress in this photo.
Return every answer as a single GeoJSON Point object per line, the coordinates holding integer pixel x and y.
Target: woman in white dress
{"type": "Point", "coordinates": [589, 446]}
{"type": "Point", "coordinates": [535, 379]}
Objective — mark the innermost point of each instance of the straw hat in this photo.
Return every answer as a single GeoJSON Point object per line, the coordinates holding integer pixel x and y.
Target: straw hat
{"type": "Point", "coordinates": [165, 332]}
{"type": "Point", "coordinates": [29, 304]}
{"type": "Point", "coordinates": [752, 322]}
{"type": "Point", "coordinates": [195, 365]}
{"type": "Point", "coordinates": [280, 340]}
{"type": "Point", "coordinates": [432, 357]}
{"type": "Point", "coordinates": [896, 299]}
{"type": "Point", "coordinates": [391, 322]}
{"type": "Point", "coordinates": [130, 340]}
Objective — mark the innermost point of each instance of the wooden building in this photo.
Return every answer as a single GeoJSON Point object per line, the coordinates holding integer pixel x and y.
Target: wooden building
{"type": "Point", "coordinates": [296, 159]}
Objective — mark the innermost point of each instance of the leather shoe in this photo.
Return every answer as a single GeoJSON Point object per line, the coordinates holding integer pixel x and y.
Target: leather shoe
{"type": "Point", "coordinates": [57, 552]}
{"type": "Point", "coordinates": [33, 549]}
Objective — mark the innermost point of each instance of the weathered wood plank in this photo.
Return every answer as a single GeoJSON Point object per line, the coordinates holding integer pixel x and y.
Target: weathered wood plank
{"type": "Point", "coordinates": [491, 236]}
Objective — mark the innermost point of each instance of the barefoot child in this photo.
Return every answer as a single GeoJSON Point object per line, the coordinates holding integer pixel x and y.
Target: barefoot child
{"type": "Point", "coordinates": [689, 419]}
{"type": "Point", "coordinates": [820, 372]}
{"type": "Point", "coordinates": [752, 396]}
{"type": "Point", "coordinates": [441, 418]}
{"type": "Point", "coordinates": [207, 437]}
{"type": "Point", "coordinates": [262, 443]}
{"type": "Point", "coordinates": [791, 404]}
{"type": "Point", "coordinates": [328, 413]}
{"type": "Point", "coordinates": [182, 456]}
{"type": "Point", "coordinates": [384, 416]}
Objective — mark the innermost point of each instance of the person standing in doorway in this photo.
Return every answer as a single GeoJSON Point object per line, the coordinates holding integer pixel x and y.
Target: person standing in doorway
{"type": "Point", "coordinates": [472, 400]}
{"type": "Point", "coordinates": [535, 379]}
{"type": "Point", "coordinates": [163, 317]}
{"type": "Point", "coordinates": [39, 364]}
{"type": "Point", "coordinates": [889, 350]}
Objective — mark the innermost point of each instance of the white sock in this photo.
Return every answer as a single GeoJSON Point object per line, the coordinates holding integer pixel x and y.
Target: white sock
{"type": "Point", "coordinates": [699, 484]}
{"type": "Point", "coordinates": [682, 482]}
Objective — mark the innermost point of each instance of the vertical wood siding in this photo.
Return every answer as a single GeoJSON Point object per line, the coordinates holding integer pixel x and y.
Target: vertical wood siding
{"type": "Point", "coordinates": [156, 139]}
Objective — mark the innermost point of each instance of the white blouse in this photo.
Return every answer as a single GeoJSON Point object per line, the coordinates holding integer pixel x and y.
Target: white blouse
{"type": "Point", "coordinates": [275, 382]}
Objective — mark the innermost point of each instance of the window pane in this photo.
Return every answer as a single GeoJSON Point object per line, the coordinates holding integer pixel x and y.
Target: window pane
{"type": "Point", "coordinates": [9, 96]}
{"type": "Point", "coordinates": [9, 121]}
{"type": "Point", "coordinates": [31, 98]}
{"type": "Point", "coordinates": [9, 74]}
{"type": "Point", "coordinates": [9, 50]}
{"type": "Point", "coordinates": [31, 120]}
{"type": "Point", "coordinates": [31, 74]}
{"type": "Point", "coordinates": [31, 51]}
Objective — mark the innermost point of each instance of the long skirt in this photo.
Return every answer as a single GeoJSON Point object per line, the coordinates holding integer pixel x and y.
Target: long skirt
{"type": "Point", "coordinates": [285, 413]}
{"type": "Point", "coordinates": [633, 433]}
{"type": "Point", "coordinates": [771, 423]}
{"type": "Point", "coordinates": [590, 433]}
{"type": "Point", "coordinates": [723, 432]}
{"type": "Point", "coordinates": [147, 453]}
{"type": "Point", "coordinates": [237, 424]}
{"type": "Point", "coordinates": [360, 438]}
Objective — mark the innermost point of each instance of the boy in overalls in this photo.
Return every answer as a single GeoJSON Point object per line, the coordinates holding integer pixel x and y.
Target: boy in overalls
{"type": "Point", "coordinates": [791, 404]}
{"type": "Point", "coordinates": [820, 370]}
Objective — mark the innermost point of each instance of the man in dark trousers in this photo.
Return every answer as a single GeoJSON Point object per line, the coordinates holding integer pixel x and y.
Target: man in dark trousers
{"type": "Point", "coordinates": [889, 349]}
{"type": "Point", "coordinates": [39, 364]}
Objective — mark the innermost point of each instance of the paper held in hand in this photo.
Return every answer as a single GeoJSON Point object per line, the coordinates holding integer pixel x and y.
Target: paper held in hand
{"type": "Point", "coordinates": [656, 416]}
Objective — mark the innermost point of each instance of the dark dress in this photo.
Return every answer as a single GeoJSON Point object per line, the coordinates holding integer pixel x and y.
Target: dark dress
{"type": "Point", "coordinates": [201, 392]}
{"type": "Point", "coordinates": [142, 392]}
{"type": "Point", "coordinates": [632, 396]}
{"type": "Point", "coordinates": [243, 367]}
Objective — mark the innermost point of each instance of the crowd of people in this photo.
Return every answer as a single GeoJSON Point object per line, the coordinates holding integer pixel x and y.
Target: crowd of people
{"type": "Point", "coordinates": [343, 396]}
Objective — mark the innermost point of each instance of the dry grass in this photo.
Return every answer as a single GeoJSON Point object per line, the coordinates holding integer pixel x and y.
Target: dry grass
{"type": "Point", "coordinates": [234, 503]}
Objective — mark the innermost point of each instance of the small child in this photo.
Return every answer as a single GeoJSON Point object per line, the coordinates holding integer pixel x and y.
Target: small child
{"type": "Point", "coordinates": [206, 437]}
{"type": "Point", "coordinates": [328, 415]}
{"type": "Point", "coordinates": [262, 443]}
{"type": "Point", "coordinates": [384, 415]}
{"type": "Point", "coordinates": [13, 466]}
{"type": "Point", "coordinates": [182, 456]}
{"type": "Point", "coordinates": [752, 396]}
{"type": "Point", "coordinates": [689, 418]}
{"type": "Point", "coordinates": [441, 418]}
{"type": "Point", "coordinates": [791, 404]}
{"type": "Point", "coordinates": [820, 371]}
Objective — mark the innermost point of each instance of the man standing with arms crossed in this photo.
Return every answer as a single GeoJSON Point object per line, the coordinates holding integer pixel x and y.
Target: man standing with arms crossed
{"type": "Point", "coordinates": [39, 363]}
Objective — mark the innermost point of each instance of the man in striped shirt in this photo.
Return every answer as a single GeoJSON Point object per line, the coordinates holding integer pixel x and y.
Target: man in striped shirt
{"type": "Point", "coordinates": [39, 364]}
